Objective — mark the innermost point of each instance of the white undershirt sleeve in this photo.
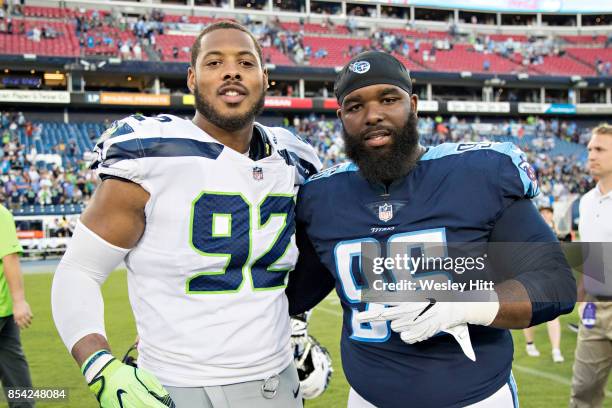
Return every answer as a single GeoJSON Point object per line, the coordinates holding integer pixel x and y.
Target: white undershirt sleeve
{"type": "Point", "coordinates": [76, 299]}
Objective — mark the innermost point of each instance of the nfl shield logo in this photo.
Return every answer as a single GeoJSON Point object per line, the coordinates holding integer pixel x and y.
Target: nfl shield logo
{"type": "Point", "coordinates": [257, 173]}
{"type": "Point", "coordinates": [385, 212]}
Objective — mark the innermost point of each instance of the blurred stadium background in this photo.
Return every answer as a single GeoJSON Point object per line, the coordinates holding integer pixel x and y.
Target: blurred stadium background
{"type": "Point", "coordinates": [535, 72]}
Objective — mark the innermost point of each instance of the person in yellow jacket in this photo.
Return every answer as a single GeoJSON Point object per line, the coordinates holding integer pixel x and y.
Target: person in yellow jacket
{"type": "Point", "coordinates": [15, 313]}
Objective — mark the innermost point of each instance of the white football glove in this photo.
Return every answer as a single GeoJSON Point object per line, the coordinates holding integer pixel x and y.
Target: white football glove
{"type": "Point", "coordinates": [418, 321]}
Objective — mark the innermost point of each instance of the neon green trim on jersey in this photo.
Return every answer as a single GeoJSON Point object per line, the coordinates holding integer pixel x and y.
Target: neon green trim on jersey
{"type": "Point", "coordinates": [278, 234]}
{"type": "Point", "coordinates": [203, 253]}
{"type": "Point", "coordinates": [248, 264]}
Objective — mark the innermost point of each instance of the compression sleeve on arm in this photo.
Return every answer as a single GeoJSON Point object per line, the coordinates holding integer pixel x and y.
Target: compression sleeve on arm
{"type": "Point", "coordinates": [534, 257]}
{"type": "Point", "coordinates": [76, 299]}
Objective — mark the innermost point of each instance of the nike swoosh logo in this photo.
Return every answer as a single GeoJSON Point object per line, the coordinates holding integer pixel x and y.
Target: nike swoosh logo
{"type": "Point", "coordinates": [119, 393]}
{"type": "Point", "coordinates": [432, 302]}
{"type": "Point", "coordinates": [296, 392]}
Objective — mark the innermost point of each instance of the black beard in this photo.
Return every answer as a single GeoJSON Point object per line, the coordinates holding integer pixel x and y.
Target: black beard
{"type": "Point", "coordinates": [389, 163]}
{"type": "Point", "coordinates": [229, 123]}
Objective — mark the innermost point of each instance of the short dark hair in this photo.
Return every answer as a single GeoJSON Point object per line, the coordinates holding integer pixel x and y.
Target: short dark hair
{"type": "Point", "coordinates": [223, 25]}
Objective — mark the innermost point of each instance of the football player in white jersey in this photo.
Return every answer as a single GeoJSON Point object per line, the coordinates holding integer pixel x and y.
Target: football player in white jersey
{"type": "Point", "coordinates": [202, 213]}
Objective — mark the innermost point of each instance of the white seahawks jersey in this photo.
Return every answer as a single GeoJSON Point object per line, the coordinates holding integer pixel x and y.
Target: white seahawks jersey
{"type": "Point", "coordinates": [206, 280]}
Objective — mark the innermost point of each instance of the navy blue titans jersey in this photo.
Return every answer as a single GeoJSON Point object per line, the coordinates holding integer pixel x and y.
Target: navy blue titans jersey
{"type": "Point", "coordinates": [456, 193]}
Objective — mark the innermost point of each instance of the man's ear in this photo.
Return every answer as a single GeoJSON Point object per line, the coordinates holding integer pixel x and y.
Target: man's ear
{"type": "Point", "coordinates": [266, 77]}
{"type": "Point", "coordinates": [339, 113]}
{"type": "Point", "coordinates": [414, 103]}
{"type": "Point", "coordinates": [191, 79]}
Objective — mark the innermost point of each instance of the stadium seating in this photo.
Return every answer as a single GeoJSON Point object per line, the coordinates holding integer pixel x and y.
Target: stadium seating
{"type": "Point", "coordinates": [590, 55]}
{"type": "Point", "coordinates": [66, 44]}
{"type": "Point", "coordinates": [505, 37]}
{"type": "Point", "coordinates": [59, 13]}
{"type": "Point", "coordinates": [171, 18]}
{"type": "Point", "coordinates": [569, 149]}
{"type": "Point", "coordinates": [58, 137]}
{"type": "Point", "coordinates": [167, 42]}
{"type": "Point", "coordinates": [55, 133]}
{"type": "Point", "coordinates": [85, 134]}
{"type": "Point", "coordinates": [109, 38]}
{"type": "Point", "coordinates": [428, 35]}
{"type": "Point", "coordinates": [276, 56]}
{"type": "Point", "coordinates": [336, 49]}
{"type": "Point", "coordinates": [335, 39]}
{"type": "Point", "coordinates": [463, 58]}
{"type": "Point", "coordinates": [561, 147]}
{"type": "Point", "coordinates": [71, 144]}
{"type": "Point", "coordinates": [48, 12]}
{"type": "Point", "coordinates": [310, 28]}
{"type": "Point", "coordinates": [555, 65]}
{"type": "Point", "coordinates": [585, 39]}
{"type": "Point", "coordinates": [105, 38]}
{"type": "Point", "coordinates": [410, 64]}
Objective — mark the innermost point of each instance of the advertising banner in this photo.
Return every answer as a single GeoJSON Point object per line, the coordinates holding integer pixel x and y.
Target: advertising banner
{"type": "Point", "coordinates": [9, 95]}
{"type": "Point", "coordinates": [478, 107]}
{"type": "Point", "coordinates": [122, 98]}
{"type": "Point", "coordinates": [550, 108]}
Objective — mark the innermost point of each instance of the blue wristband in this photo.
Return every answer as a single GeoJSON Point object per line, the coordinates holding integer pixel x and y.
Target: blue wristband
{"type": "Point", "coordinates": [88, 363]}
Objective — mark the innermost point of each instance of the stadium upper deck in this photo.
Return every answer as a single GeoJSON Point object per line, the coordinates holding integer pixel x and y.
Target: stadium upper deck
{"type": "Point", "coordinates": [165, 33]}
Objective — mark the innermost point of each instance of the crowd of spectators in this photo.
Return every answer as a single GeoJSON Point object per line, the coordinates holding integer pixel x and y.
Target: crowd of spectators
{"type": "Point", "coordinates": [25, 179]}
{"type": "Point", "coordinates": [8, 25]}
{"type": "Point", "coordinates": [532, 52]}
{"type": "Point", "coordinates": [528, 53]}
{"type": "Point", "coordinates": [105, 29]}
{"type": "Point", "coordinates": [12, 21]}
{"type": "Point", "coordinates": [559, 175]}
{"type": "Point", "coordinates": [95, 29]}
{"type": "Point", "coordinates": [272, 34]}
{"type": "Point", "coordinates": [435, 130]}
{"type": "Point", "coordinates": [603, 68]}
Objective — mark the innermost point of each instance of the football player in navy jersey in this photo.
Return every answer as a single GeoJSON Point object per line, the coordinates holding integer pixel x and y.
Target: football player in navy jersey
{"type": "Point", "coordinates": [395, 191]}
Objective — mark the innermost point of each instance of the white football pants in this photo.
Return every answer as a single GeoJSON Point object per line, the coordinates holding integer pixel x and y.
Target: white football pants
{"type": "Point", "coordinates": [505, 397]}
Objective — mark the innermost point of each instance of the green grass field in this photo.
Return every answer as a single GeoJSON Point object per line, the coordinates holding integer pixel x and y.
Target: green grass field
{"type": "Point", "coordinates": [541, 383]}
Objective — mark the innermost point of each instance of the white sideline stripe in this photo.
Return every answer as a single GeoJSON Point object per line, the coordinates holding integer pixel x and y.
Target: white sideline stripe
{"type": "Point", "coordinates": [549, 376]}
